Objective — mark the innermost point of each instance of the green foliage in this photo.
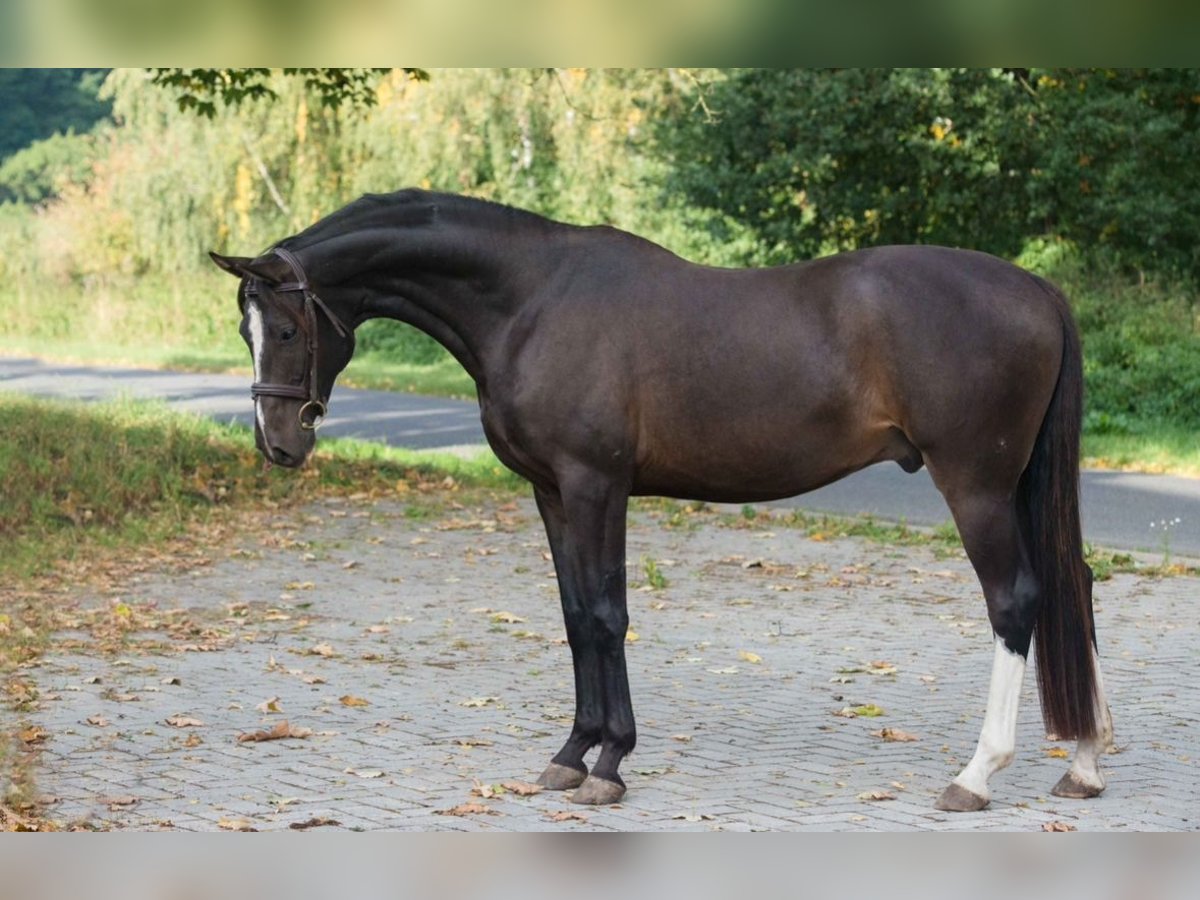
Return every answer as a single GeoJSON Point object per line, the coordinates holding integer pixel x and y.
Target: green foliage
{"type": "Point", "coordinates": [36, 103]}
{"type": "Point", "coordinates": [1118, 164]}
{"type": "Point", "coordinates": [814, 161]}
{"type": "Point", "coordinates": [1141, 339]}
{"type": "Point", "coordinates": [200, 90]}
{"type": "Point", "coordinates": [47, 168]}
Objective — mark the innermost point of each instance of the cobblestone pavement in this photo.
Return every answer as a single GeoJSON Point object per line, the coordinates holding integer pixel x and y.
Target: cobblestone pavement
{"type": "Point", "coordinates": [425, 653]}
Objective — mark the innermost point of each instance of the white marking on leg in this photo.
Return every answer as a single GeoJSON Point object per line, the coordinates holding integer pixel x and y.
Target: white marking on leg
{"type": "Point", "coordinates": [998, 739]}
{"type": "Point", "coordinates": [1085, 767]}
{"type": "Point", "coordinates": [254, 319]}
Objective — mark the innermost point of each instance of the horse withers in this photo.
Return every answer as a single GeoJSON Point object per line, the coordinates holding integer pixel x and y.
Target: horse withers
{"type": "Point", "coordinates": [608, 367]}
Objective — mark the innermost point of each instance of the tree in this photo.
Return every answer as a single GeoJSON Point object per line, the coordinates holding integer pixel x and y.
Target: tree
{"type": "Point", "coordinates": [199, 90]}
{"type": "Point", "coordinates": [36, 103]}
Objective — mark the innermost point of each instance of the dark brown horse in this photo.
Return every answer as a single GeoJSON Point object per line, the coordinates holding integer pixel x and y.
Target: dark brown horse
{"type": "Point", "coordinates": [608, 367]}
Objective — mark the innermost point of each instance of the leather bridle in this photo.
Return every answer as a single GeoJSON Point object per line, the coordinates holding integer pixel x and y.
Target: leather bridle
{"type": "Point", "coordinates": [309, 392]}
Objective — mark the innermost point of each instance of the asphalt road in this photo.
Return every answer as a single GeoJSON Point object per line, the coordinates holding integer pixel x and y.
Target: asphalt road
{"type": "Point", "coordinates": [1118, 507]}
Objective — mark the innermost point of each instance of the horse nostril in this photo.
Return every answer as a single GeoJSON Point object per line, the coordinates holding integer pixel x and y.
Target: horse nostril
{"type": "Point", "coordinates": [282, 457]}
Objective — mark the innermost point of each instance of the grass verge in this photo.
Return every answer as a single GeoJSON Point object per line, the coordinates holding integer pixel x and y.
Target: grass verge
{"type": "Point", "coordinates": [124, 473]}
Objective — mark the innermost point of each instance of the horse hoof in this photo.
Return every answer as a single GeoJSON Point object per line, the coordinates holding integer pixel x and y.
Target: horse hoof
{"type": "Point", "coordinates": [598, 792]}
{"type": "Point", "coordinates": [561, 778]}
{"type": "Point", "coordinates": [957, 798]}
{"type": "Point", "coordinates": [1074, 789]}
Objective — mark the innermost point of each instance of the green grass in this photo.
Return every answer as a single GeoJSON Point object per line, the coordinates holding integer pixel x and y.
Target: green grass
{"type": "Point", "coordinates": [123, 474]}
{"type": "Point", "coordinates": [1155, 448]}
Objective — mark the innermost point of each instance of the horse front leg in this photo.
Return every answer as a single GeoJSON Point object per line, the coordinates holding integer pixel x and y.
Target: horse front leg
{"type": "Point", "coordinates": [567, 770]}
{"type": "Point", "coordinates": [592, 582]}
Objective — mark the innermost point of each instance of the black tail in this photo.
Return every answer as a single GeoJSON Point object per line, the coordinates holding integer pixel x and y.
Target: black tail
{"type": "Point", "coordinates": [1049, 498]}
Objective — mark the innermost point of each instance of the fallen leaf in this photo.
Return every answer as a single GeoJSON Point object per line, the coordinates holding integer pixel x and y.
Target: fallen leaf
{"type": "Point", "coordinates": [270, 705]}
{"type": "Point", "coordinates": [1057, 826]}
{"type": "Point", "coordinates": [1057, 752]}
{"type": "Point", "coordinates": [468, 809]}
{"type": "Point", "coordinates": [236, 825]}
{"type": "Point", "coordinates": [487, 791]}
{"type": "Point", "coordinates": [365, 773]}
{"type": "Point", "coordinates": [468, 743]}
{"type": "Point", "coordinates": [98, 721]}
{"type": "Point", "coordinates": [378, 629]}
{"type": "Point", "coordinates": [522, 788]}
{"type": "Point", "coordinates": [115, 803]}
{"type": "Point", "coordinates": [324, 650]}
{"type": "Point", "coordinates": [567, 815]}
{"type": "Point", "coordinates": [727, 670]}
{"type": "Point", "coordinates": [315, 822]}
{"type": "Point", "coordinates": [350, 564]}
{"type": "Point", "coordinates": [879, 667]}
{"type": "Point", "coordinates": [92, 679]}
{"type": "Point", "coordinates": [479, 701]}
{"type": "Point", "coordinates": [279, 732]}
{"type": "Point", "coordinates": [313, 679]}
{"type": "Point", "coordinates": [694, 817]}
{"type": "Point", "coordinates": [507, 618]}
{"type": "Point", "coordinates": [351, 700]}
{"type": "Point", "coordinates": [682, 738]}
{"type": "Point", "coordinates": [193, 740]}
{"type": "Point", "coordinates": [894, 736]}
{"type": "Point", "coordinates": [632, 637]}
{"type": "Point", "coordinates": [876, 796]}
{"type": "Point", "coordinates": [184, 721]}
{"type": "Point", "coordinates": [749, 657]}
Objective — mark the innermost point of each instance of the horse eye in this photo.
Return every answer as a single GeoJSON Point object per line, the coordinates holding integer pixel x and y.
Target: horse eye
{"type": "Point", "coordinates": [288, 333]}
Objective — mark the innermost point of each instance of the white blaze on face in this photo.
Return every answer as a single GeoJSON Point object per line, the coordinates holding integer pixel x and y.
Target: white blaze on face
{"type": "Point", "coordinates": [254, 319]}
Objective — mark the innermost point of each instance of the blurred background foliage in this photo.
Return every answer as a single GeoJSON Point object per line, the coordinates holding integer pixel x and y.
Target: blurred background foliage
{"type": "Point", "coordinates": [110, 192]}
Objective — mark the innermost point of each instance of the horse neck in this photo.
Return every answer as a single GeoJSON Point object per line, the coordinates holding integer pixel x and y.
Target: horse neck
{"type": "Point", "coordinates": [461, 285]}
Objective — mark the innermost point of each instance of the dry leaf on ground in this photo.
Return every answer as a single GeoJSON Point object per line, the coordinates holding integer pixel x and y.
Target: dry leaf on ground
{"type": "Point", "coordinates": [270, 705]}
{"type": "Point", "coordinates": [1057, 752]}
{"type": "Point", "coordinates": [522, 788]}
{"type": "Point", "coordinates": [325, 650]}
{"type": "Point", "coordinates": [479, 701]}
{"type": "Point", "coordinates": [315, 822]}
{"type": "Point", "coordinates": [33, 735]}
{"type": "Point", "coordinates": [567, 815]}
{"type": "Point", "coordinates": [468, 809]}
{"type": "Point", "coordinates": [98, 721]}
{"type": "Point", "coordinates": [184, 721]}
{"type": "Point", "coordinates": [351, 700]}
{"type": "Point", "coordinates": [279, 732]}
{"type": "Point", "coordinates": [876, 796]}
{"type": "Point", "coordinates": [894, 735]}
{"type": "Point", "coordinates": [749, 657]}
{"type": "Point", "coordinates": [1057, 826]}
{"type": "Point", "coordinates": [236, 825]}
{"type": "Point", "coordinates": [507, 618]}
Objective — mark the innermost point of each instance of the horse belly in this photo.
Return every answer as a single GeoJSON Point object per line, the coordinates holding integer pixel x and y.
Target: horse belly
{"type": "Point", "coordinates": [763, 460]}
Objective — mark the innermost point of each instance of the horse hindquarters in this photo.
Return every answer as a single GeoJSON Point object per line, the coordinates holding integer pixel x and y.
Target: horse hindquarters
{"type": "Point", "coordinates": [1025, 543]}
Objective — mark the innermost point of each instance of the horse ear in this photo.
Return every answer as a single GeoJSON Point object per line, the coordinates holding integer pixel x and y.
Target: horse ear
{"type": "Point", "coordinates": [234, 265]}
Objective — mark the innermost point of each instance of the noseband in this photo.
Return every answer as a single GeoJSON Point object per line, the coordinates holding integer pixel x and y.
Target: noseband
{"type": "Point", "coordinates": [310, 393]}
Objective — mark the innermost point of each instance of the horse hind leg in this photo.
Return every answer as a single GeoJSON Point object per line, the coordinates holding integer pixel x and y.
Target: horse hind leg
{"type": "Point", "coordinates": [1084, 779]}
{"type": "Point", "coordinates": [990, 531]}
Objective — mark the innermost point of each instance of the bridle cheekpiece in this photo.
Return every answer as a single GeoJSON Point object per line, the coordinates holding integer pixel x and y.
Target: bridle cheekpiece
{"type": "Point", "coordinates": [309, 393]}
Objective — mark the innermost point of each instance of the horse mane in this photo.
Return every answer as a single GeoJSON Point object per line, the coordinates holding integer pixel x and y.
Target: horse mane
{"type": "Point", "coordinates": [414, 208]}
